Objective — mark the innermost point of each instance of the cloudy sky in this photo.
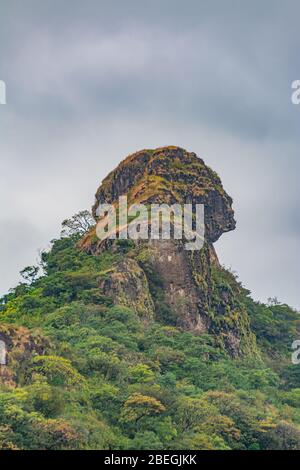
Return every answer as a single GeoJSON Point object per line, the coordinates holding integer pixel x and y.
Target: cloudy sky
{"type": "Point", "coordinates": [89, 82]}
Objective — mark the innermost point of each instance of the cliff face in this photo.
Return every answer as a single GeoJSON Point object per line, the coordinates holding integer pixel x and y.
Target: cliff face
{"type": "Point", "coordinates": [159, 279]}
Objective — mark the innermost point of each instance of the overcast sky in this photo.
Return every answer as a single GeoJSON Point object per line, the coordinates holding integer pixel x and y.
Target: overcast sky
{"type": "Point", "coordinates": [89, 82]}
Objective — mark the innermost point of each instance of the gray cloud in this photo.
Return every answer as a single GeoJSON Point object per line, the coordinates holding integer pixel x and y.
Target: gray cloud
{"type": "Point", "coordinates": [89, 82]}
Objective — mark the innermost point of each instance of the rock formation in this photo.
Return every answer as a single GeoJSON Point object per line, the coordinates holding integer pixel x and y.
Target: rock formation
{"type": "Point", "coordinates": [159, 279]}
{"type": "Point", "coordinates": [20, 345]}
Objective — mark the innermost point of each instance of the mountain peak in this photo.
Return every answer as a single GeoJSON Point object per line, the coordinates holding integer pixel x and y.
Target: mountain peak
{"type": "Point", "coordinates": [169, 175]}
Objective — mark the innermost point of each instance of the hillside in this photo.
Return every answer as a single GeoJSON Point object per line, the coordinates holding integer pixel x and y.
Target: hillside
{"type": "Point", "coordinates": [123, 344]}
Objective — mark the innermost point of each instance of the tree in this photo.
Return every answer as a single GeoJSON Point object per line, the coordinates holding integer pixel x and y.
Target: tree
{"type": "Point", "coordinates": [58, 370]}
{"type": "Point", "coordinates": [141, 373]}
{"type": "Point", "coordinates": [286, 436]}
{"type": "Point", "coordinates": [30, 274]}
{"type": "Point", "coordinates": [272, 301]}
{"type": "Point", "coordinates": [79, 224]}
{"type": "Point", "coordinates": [138, 406]}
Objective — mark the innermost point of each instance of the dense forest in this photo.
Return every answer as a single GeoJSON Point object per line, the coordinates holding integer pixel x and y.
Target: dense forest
{"type": "Point", "coordinates": [96, 376]}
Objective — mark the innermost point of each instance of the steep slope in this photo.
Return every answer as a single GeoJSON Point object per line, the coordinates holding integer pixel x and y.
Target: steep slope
{"type": "Point", "coordinates": [144, 345]}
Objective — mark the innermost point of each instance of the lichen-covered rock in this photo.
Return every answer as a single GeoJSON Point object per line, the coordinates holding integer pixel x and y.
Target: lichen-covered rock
{"type": "Point", "coordinates": [168, 262]}
{"type": "Point", "coordinates": [162, 280]}
{"type": "Point", "coordinates": [20, 344]}
{"type": "Point", "coordinates": [127, 285]}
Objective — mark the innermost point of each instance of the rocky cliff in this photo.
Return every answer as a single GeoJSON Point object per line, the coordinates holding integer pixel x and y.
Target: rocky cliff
{"type": "Point", "coordinates": [159, 279]}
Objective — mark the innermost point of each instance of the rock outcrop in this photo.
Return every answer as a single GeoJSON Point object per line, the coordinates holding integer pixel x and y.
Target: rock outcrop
{"type": "Point", "coordinates": [20, 345]}
{"type": "Point", "coordinates": [162, 280]}
{"type": "Point", "coordinates": [127, 285]}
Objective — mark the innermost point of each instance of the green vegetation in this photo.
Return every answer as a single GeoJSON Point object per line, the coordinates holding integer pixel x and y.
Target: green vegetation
{"type": "Point", "coordinates": [108, 380]}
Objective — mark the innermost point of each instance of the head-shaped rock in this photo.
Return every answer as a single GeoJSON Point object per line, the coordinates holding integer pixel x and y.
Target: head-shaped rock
{"type": "Point", "coordinates": [170, 175]}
